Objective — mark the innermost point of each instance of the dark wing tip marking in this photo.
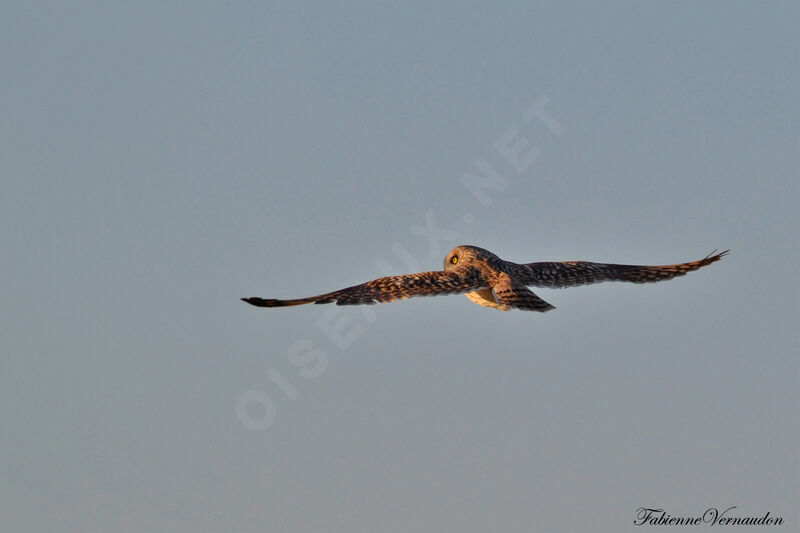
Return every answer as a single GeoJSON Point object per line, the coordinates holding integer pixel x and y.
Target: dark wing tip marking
{"type": "Point", "coordinates": [262, 302]}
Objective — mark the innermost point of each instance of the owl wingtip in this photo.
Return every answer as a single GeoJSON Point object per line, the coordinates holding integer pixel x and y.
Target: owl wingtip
{"type": "Point", "coordinates": [259, 302]}
{"type": "Point", "coordinates": [265, 302]}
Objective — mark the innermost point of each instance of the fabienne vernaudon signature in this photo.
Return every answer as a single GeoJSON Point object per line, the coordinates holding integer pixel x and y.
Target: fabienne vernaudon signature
{"type": "Point", "coordinates": [647, 516]}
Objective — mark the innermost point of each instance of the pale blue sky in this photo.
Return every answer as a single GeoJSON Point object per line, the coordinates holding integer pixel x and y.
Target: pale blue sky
{"type": "Point", "coordinates": [160, 161]}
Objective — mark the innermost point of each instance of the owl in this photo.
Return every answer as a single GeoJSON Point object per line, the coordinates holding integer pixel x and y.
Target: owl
{"type": "Point", "coordinates": [490, 281]}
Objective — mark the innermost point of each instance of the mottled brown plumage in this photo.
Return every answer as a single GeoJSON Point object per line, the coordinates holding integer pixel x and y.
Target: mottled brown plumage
{"type": "Point", "coordinates": [492, 282]}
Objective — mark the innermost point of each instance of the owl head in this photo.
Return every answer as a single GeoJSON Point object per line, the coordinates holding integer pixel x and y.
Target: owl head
{"type": "Point", "coordinates": [469, 255]}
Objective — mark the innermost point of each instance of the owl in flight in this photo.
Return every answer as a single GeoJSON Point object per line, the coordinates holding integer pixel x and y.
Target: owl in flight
{"type": "Point", "coordinates": [492, 282]}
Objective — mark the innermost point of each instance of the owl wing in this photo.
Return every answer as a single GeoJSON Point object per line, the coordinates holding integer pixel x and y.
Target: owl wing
{"type": "Point", "coordinates": [511, 293]}
{"type": "Point", "coordinates": [574, 273]}
{"type": "Point", "coordinates": [391, 288]}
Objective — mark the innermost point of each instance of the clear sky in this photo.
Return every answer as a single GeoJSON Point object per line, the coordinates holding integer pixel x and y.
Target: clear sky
{"type": "Point", "coordinates": [161, 160]}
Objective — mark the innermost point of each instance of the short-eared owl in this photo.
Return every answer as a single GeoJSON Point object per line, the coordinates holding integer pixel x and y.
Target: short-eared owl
{"type": "Point", "coordinates": [492, 282]}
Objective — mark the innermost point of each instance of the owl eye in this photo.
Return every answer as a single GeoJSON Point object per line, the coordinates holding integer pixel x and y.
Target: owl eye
{"type": "Point", "coordinates": [454, 260]}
